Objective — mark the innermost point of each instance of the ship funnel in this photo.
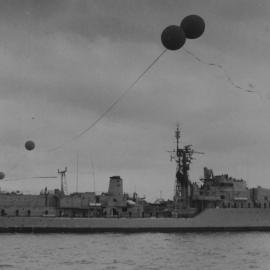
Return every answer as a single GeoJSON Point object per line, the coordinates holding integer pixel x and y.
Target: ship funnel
{"type": "Point", "coordinates": [208, 173]}
{"type": "Point", "coordinates": [116, 186]}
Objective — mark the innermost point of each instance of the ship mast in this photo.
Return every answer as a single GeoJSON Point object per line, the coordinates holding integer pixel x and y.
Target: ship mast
{"type": "Point", "coordinates": [176, 157]}
{"type": "Point", "coordinates": [183, 159]}
{"type": "Point", "coordinates": [63, 187]}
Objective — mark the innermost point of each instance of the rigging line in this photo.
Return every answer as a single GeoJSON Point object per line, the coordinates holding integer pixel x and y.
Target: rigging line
{"type": "Point", "coordinates": [29, 178]}
{"type": "Point", "coordinates": [117, 100]}
{"type": "Point", "coordinates": [227, 76]}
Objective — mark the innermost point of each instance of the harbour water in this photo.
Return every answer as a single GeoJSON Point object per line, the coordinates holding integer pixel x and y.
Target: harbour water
{"type": "Point", "coordinates": [136, 251]}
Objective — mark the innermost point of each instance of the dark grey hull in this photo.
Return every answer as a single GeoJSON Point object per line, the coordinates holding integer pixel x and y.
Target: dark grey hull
{"type": "Point", "coordinates": [210, 220]}
{"type": "Point", "coordinates": [131, 230]}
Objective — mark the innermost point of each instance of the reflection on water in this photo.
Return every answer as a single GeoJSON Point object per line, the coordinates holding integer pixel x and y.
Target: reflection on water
{"type": "Point", "coordinates": [136, 251]}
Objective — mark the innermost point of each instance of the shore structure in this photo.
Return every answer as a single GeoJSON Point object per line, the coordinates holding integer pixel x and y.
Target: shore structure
{"type": "Point", "coordinates": [217, 203]}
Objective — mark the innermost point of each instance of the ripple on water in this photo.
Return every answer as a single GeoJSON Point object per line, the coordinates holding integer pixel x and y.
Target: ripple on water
{"type": "Point", "coordinates": [147, 251]}
{"type": "Point", "coordinates": [6, 266]}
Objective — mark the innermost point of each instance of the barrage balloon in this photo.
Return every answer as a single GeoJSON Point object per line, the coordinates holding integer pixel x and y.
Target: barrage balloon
{"type": "Point", "coordinates": [173, 37]}
{"type": "Point", "coordinates": [29, 145]}
{"type": "Point", "coordinates": [193, 26]}
{"type": "Point", "coordinates": [2, 175]}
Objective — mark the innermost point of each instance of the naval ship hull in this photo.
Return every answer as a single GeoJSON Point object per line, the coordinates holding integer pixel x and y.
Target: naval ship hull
{"type": "Point", "coordinates": [210, 220]}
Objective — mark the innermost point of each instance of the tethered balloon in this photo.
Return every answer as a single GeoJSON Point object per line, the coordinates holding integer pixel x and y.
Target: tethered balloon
{"type": "Point", "coordinates": [173, 37]}
{"type": "Point", "coordinates": [29, 145]}
{"type": "Point", "coordinates": [2, 175]}
{"type": "Point", "coordinates": [193, 26]}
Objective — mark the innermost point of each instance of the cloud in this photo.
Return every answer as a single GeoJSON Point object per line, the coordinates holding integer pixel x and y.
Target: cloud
{"type": "Point", "coordinates": [64, 62]}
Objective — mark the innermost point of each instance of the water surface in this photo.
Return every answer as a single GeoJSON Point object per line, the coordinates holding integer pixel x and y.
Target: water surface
{"type": "Point", "coordinates": [136, 251]}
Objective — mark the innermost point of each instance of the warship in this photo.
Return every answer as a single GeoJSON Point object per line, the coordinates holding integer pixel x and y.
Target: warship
{"type": "Point", "coordinates": [218, 203]}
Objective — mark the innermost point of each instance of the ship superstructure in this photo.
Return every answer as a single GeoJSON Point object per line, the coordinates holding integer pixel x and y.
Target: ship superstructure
{"type": "Point", "coordinates": [114, 203]}
{"type": "Point", "coordinates": [220, 191]}
{"type": "Point", "coordinates": [190, 199]}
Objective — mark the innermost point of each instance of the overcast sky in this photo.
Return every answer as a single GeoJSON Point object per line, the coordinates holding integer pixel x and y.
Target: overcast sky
{"type": "Point", "coordinates": [62, 63]}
